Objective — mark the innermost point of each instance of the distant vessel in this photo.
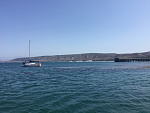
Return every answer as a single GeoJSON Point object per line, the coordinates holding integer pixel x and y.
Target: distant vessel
{"type": "Point", "coordinates": [31, 63]}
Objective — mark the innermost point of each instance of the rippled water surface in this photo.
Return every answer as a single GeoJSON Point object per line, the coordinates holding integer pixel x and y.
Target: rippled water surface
{"type": "Point", "coordinates": [75, 87]}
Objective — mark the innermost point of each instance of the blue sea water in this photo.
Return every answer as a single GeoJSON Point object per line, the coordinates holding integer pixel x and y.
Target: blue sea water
{"type": "Point", "coordinates": [75, 87]}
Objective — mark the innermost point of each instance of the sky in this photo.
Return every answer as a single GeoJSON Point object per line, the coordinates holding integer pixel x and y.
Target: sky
{"type": "Point", "coordinates": [59, 27]}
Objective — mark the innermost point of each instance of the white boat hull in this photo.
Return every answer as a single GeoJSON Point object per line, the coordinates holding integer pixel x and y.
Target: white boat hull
{"type": "Point", "coordinates": [32, 65]}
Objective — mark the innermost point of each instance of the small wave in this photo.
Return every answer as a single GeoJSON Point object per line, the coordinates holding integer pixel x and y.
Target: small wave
{"type": "Point", "coordinates": [29, 73]}
{"type": "Point", "coordinates": [144, 67]}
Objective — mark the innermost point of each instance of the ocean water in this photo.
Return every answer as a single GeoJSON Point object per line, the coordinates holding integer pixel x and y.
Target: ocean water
{"type": "Point", "coordinates": [75, 87]}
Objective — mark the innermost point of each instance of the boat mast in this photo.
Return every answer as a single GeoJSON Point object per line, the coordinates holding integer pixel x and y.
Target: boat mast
{"type": "Point", "coordinates": [29, 49]}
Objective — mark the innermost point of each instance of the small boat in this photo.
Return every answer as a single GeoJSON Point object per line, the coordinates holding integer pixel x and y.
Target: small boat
{"type": "Point", "coordinates": [31, 63]}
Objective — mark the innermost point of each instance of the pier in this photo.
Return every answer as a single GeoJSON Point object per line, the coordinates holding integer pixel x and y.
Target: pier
{"type": "Point", "coordinates": [132, 60]}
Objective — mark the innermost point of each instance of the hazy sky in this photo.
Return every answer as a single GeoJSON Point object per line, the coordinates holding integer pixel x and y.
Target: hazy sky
{"type": "Point", "coordinates": [57, 27]}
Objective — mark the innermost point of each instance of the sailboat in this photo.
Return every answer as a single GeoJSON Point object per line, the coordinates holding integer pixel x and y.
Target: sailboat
{"type": "Point", "coordinates": [31, 63]}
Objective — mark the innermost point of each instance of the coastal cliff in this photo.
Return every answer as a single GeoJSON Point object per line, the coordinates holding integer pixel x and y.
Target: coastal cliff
{"type": "Point", "coordinates": [85, 57]}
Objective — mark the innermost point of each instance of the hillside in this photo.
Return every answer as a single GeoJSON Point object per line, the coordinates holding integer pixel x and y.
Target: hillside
{"type": "Point", "coordinates": [85, 57]}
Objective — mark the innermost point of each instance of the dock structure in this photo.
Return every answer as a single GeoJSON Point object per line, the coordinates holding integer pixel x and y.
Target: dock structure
{"type": "Point", "coordinates": [132, 60]}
